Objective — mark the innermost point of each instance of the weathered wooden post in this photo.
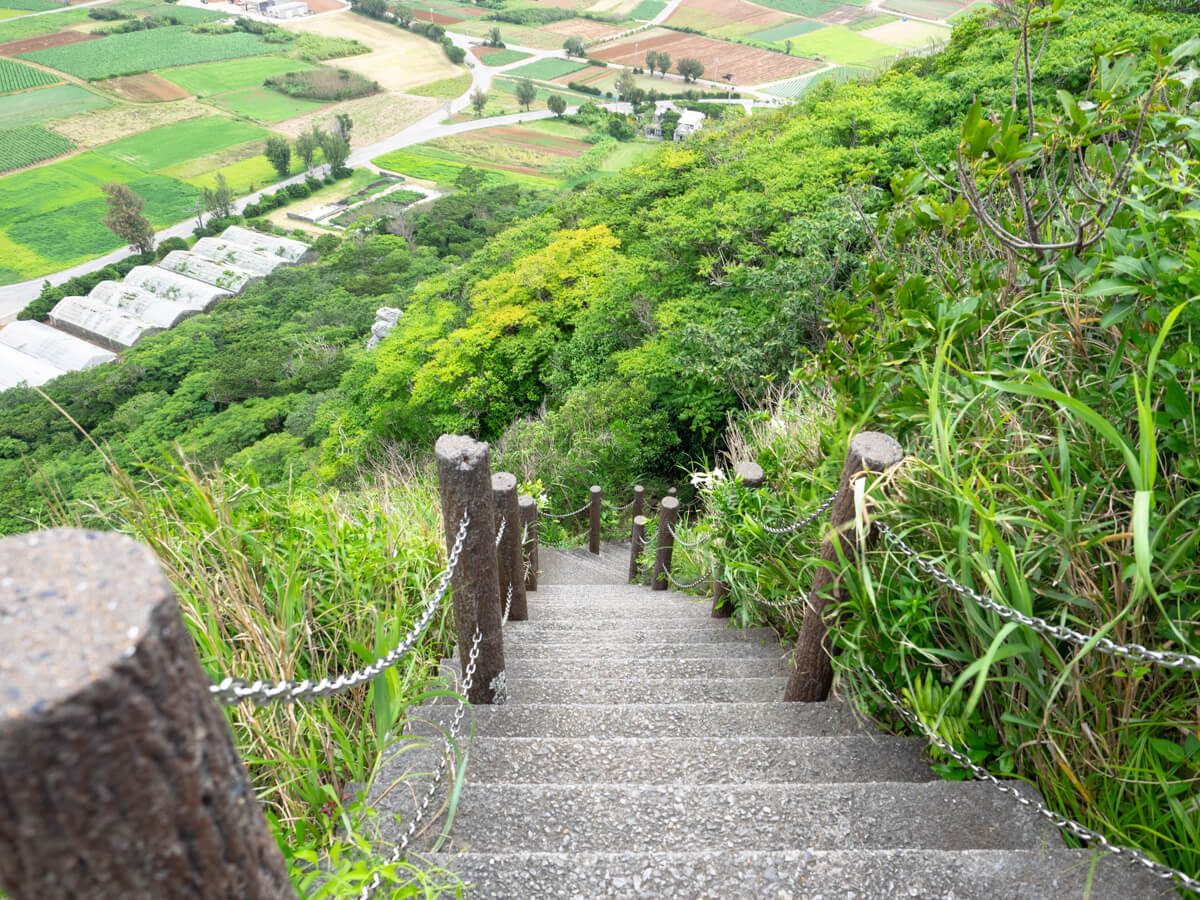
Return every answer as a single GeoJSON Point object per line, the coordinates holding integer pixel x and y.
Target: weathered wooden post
{"type": "Point", "coordinates": [637, 542]}
{"type": "Point", "coordinates": [639, 500]}
{"type": "Point", "coordinates": [869, 453]}
{"type": "Point", "coordinates": [751, 476]}
{"type": "Point", "coordinates": [118, 772]}
{"type": "Point", "coordinates": [597, 498]}
{"type": "Point", "coordinates": [673, 492]}
{"type": "Point", "coordinates": [529, 526]}
{"type": "Point", "coordinates": [465, 485]}
{"type": "Point", "coordinates": [668, 512]}
{"type": "Point", "coordinates": [509, 561]}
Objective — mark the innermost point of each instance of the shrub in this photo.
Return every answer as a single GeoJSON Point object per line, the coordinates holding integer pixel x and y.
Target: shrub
{"type": "Point", "coordinates": [171, 243]}
{"type": "Point", "coordinates": [323, 84]}
{"type": "Point", "coordinates": [314, 184]}
{"type": "Point", "coordinates": [298, 191]}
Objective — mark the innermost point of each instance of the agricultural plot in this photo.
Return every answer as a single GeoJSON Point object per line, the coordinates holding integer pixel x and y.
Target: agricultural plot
{"type": "Point", "coordinates": [548, 69]}
{"type": "Point", "coordinates": [811, 9]}
{"type": "Point", "coordinates": [265, 105]}
{"type": "Point", "coordinates": [426, 163]}
{"type": "Point", "coordinates": [544, 38]}
{"type": "Point", "coordinates": [33, 26]}
{"type": "Point", "coordinates": [174, 144]}
{"type": "Point", "coordinates": [840, 45]}
{"type": "Point", "coordinates": [375, 117]}
{"type": "Point", "coordinates": [91, 129]}
{"type": "Point", "coordinates": [15, 76]}
{"type": "Point", "coordinates": [506, 91]}
{"type": "Point", "coordinates": [748, 65]}
{"type": "Point", "coordinates": [29, 5]}
{"type": "Point", "coordinates": [966, 11]}
{"type": "Point", "coordinates": [722, 16]}
{"type": "Point", "coordinates": [490, 57]}
{"type": "Point", "coordinates": [207, 79]}
{"type": "Point", "coordinates": [144, 88]}
{"type": "Point", "coordinates": [928, 9]}
{"type": "Point", "coordinates": [781, 33]}
{"type": "Point", "coordinates": [444, 89]}
{"type": "Point", "coordinates": [646, 10]}
{"type": "Point", "coordinates": [798, 87]}
{"type": "Point", "coordinates": [909, 35]}
{"type": "Point", "coordinates": [47, 104]}
{"type": "Point", "coordinates": [140, 51]}
{"type": "Point", "coordinates": [582, 28]}
{"type": "Point", "coordinates": [28, 144]}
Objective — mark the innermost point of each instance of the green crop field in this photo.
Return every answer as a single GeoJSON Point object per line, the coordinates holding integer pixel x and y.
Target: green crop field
{"type": "Point", "coordinates": [843, 46]}
{"type": "Point", "coordinates": [265, 105]}
{"type": "Point", "coordinates": [32, 26]}
{"type": "Point", "coordinates": [781, 33]}
{"type": "Point", "coordinates": [873, 22]}
{"type": "Point", "coordinates": [647, 10]}
{"type": "Point", "coordinates": [47, 104]}
{"type": "Point", "coordinates": [504, 57]}
{"type": "Point", "coordinates": [232, 75]}
{"type": "Point", "coordinates": [508, 88]}
{"type": "Point", "coordinates": [547, 69]}
{"type": "Point", "coordinates": [15, 76]}
{"type": "Point", "coordinates": [173, 144]}
{"type": "Point", "coordinates": [30, 5]}
{"type": "Point", "coordinates": [139, 51]}
{"type": "Point", "coordinates": [797, 87]}
{"type": "Point", "coordinates": [929, 9]}
{"type": "Point", "coordinates": [191, 15]}
{"type": "Point", "coordinates": [27, 144]}
{"type": "Point", "coordinates": [443, 168]}
{"type": "Point", "coordinates": [809, 8]}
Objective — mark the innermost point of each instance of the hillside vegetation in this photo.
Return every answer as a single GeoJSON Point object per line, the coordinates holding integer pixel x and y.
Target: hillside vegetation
{"type": "Point", "coordinates": [987, 253]}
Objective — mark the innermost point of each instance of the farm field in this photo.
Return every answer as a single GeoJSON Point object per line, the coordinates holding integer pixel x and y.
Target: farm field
{"type": "Point", "coordinates": [492, 57]}
{"type": "Point", "coordinates": [647, 9]}
{"type": "Point", "coordinates": [265, 105]}
{"type": "Point", "coordinates": [174, 144]}
{"type": "Point", "coordinates": [748, 65]}
{"type": "Point", "coordinates": [23, 29]}
{"type": "Point", "coordinates": [47, 104]}
{"type": "Point", "coordinates": [548, 69]}
{"type": "Point", "coordinates": [15, 76]}
{"type": "Point", "coordinates": [27, 144]}
{"type": "Point", "coordinates": [840, 45]}
{"type": "Point", "coordinates": [99, 126]}
{"type": "Point", "coordinates": [929, 9]}
{"type": "Point", "coordinates": [206, 79]}
{"type": "Point", "coordinates": [587, 29]}
{"type": "Point", "coordinates": [797, 87]}
{"type": "Point", "coordinates": [375, 117]}
{"type": "Point", "coordinates": [505, 90]}
{"type": "Point", "coordinates": [445, 89]}
{"type": "Point", "coordinates": [144, 88]}
{"type": "Point", "coordinates": [715, 15]}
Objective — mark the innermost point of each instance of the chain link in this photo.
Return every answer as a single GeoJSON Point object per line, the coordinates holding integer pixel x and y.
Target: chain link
{"type": "Point", "coordinates": [684, 587]}
{"type": "Point", "coordinates": [507, 604]}
{"type": "Point", "coordinates": [567, 515]}
{"type": "Point", "coordinates": [500, 531]}
{"type": "Point", "coordinates": [619, 508]}
{"type": "Point", "coordinates": [681, 542]}
{"type": "Point", "coordinates": [796, 526]}
{"type": "Point", "coordinates": [1080, 831]}
{"type": "Point", "coordinates": [231, 691]}
{"type": "Point", "coordinates": [1165, 658]}
{"type": "Point", "coordinates": [779, 604]}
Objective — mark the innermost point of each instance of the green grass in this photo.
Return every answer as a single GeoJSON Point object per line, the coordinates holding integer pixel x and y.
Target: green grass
{"type": "Point", "coordinates": [207, 79]}
{"type": "Point", "coordinates": [190, 15]}
{"type": "Point", "coordinates": [35, 25]}
{"type": "Point", "coordinates": [30, 5]}
{"type": "Point", "coordinates": [442, 168]}
{"type": "Point", "coordinates": [781, 33]}
{"type": "Point", "coordinates": [15, 76]}
{"type": "Point", "coordinates": [265, 105]}
{"type": "Point", "coordinates": [628, 153]}
{"type": "Point", "coordinates": [140, 51]}
{"type": "Point", "coordinates": [242, 176]}
{"type": "Point", "coordinates": [929, 9]}
{"type": "Point", "coordinates": [809, 8]}
{"type": "Point", "coordinates": [443, 89]}
{"type": "Point", "coordinates": [177, 143]}
{"type": "Point", "coordinates": [797, 87]}
{"type": "Point", "coordinates": [647, 10]}
{"type": "Point", "coordinates": [547, 69]}
{"type": "Point", "coordinates": [28, 144]}
{"type": "Point", "coordinates": [47, 104]}
{"type": "Point", "coordinates": [507, 89]}
{"type": "Point", "coordinates": [843, 46]}
{"type": "Point", "coordinates": [504, 57]}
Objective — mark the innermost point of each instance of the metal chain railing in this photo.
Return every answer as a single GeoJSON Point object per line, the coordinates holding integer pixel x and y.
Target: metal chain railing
{"type": "Point", "coordinates": [779, 604]}
{"type": "Point", "coordinates": [507, 605]}
{"type": "Point", "coordinates": [682, 543]}
{"type": "Point", "coordinates": [685, 587]}
{"type": "Point", "coordinates": [500, 531]}
{"type": "Point", "coordinates": [566, 515]}
{"type": "Point", "coordinates": [1080, 831]}
{"type": "Point", "coordinates": [231, 691]}
{"type": "Point", "coordinates": [796, 526]}
{"type": "Point", "coordinates": [398, 851]}
{"type": "Point", "coordinates": [1165, 658]}
{"type": "Point", "coordinates": [619, 509]}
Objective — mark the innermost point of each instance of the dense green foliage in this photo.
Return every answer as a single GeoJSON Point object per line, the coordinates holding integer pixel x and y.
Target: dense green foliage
{"type": "Point", "coordinates": [15, 76]}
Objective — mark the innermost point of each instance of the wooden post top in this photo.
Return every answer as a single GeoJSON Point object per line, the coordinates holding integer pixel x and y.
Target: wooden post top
{"type": "Point", "coordinates": [464, 453]}
{"type": "Point", "coordinates": [749, 472]}
{"type": "Point", "coordinates": [73, 604]}
{"type": "Point", "coordinates": [526, 503]}
{"type": "Point", "coordinates": [670, 503]}
{"type": "Point", "coordinates": [876, 452]}
{"type": "Point", "coordinates": [504, 482]}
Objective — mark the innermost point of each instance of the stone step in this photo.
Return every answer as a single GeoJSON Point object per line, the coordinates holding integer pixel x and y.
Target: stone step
{"type": "Point", "coordinates": [612, 720]}
{"type": "Point", "coordinates": [615, 612]}
{"type": "Point", "coordinates": [524, 648]}
{"type": "Point", "coordinates": [643, 668]}
{"type": "Point", "coordinates": [634, 633]}
{"type": "Point", "coordinates": [577, 566]}
{"type": "Point", "coordinates": [859, 874]}
{"type": "Point", "coordinates": [687, 760]}
{"type": "Point", "coordinates": [642, 690]}
{"type": "Point", "coordinates": [938, 815]}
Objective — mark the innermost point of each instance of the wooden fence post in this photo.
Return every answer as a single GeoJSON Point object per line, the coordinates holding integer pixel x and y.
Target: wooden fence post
{"type": "Point", "coordinates": [118, 772]}
{"type": "Point", "coordinates": [529, 525]}
{"type": "Point", "coordinates": [637, 543]}
{"type": "Point", "coordinates": [639, 499]}
{"type": "Point", "coordinates": [597, 498]}
{"type": "Point", "coordinates": [668, 512]}
{"type": "Point", "coordinates": [465, 485]}
{"type": "Point", "coordinates": [751, 475]}
{"type": "Point", "coordinates": [869, 452]}
{"type": "Point", "coordinates": [509, 559]}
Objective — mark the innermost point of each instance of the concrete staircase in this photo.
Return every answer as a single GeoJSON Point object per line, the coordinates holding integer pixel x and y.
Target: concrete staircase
{"type": "Point", "coordinates": [645, 751]}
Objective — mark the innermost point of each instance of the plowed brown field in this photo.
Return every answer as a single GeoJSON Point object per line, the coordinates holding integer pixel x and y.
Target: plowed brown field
{"type": "Point", "coordinates": [843, 15]}
{"type": "Point", "coordinates": [45, 42]}
{"type": "Point", "coordinates": [584, 28]}
{"type": "Point", "coordinates": [709, 14]}
{"type": "Point", "coordinates": [144, 88]}
{"type": "Point", "coordinates": [748, 65]}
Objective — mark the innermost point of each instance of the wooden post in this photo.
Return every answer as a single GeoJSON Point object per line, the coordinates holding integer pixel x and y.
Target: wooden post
{"type": "Point", "coordinates": [597, 497]}
{"type": "Point", "coordinates": [529, 524]}
{"type": "Point", "coordinates": [637, 543]}
{"type": "Point", "coordinates": [751, 476]}
{"type": "Point", "coordinates": [118, 772]}
{"type": "Point", "coordinates": [465, 485]}
{"type": "Point", "coordinates": [672, 492]}
{"type": "Point", "coordinates": [869, 452]}
{"type": "Point", "coordinates": [667, 514]}
{"type": "Point", "coordinates": [639, 499]}
{"type": "Point", "coordinates": [509, 559]}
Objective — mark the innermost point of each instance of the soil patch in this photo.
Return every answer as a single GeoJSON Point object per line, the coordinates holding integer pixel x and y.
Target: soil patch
{"type": "Point", "coordinates": [516, 136]}
{"type": "Point", "coordinates": [583, 76]}
{"type": "Point", "coordinates": [144, 88]}
{"type": "Point", "coordinates": [748, 65]}
{"type": "Point", "coordinates": [710, 14]}
{"type": "Point", "coordinates": [45, 42]}
{"type": "Point", "coordinates": [843, 15]}
{"type": "Point", "coordinates": [584, 28]}
{"type": "Point", "coordinates": [320, 6]}
{"type": "Point", "coordinates": [481, 52]}
{"type": "Point", "coordinates": [428, 15]}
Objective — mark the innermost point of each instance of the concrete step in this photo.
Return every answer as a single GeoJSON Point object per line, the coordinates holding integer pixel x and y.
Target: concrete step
{"type": "Point", "coordinates": [613, 720]}
{"type": "Point", "coordinates": [937, 815]}
{"type": "Point", "coordinates": [521, 647]}
{"type": "Point", "coordinates": [860, 874]}
{"type": "Point", "coordinates": [644, 668]}
{"type": "Point", "coordinates": [688, 760]}
{"type": "Point", "coordinates": [634, 633]}
{"type": "Point", "coordinates": [577, 566]}
{"type": "Point", "coordinates": [616, 612]}
{"type": "Point", "coordinates": [643, 690]}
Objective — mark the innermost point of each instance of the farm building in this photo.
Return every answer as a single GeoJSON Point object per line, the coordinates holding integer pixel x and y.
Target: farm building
{"type": "Point", "coordinates": [689, 121]}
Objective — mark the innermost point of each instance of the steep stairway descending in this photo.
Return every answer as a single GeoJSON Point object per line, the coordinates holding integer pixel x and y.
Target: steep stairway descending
{"type": "Point", "coordinates": [645, 751]}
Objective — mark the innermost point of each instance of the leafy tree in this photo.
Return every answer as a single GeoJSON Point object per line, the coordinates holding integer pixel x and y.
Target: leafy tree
{"type": "Point", "coordinates": [404, 15]}
{"type": "Point", "coordinates": [652, 60]}
{"type": "Point", "coordinates": [376, 9]}
{"type": "Point", "coordinates": [664, 63]}
{"type": "Point", "coordinates": [689, 68]}
{"type": "Point", "coordinates": [307, 144]}
{"type": "Point", "coordinates": [557, 104]}
{"type": "Point", "coordinates": [494, 39]}
{"type": "Point", "coordinates": [627, 85]}
{"type": "Point", "coordinates": [125, 218]}
{"type": "Point", "coordinates": [342, 125]}
{"type": "Point", "coordinates": [279, 153]}
{"type": "Point", "coordinates": [526, 93]}
{"type": "Point", "coordinates": [479, 99]}
{"type": "Point", "coordinates": [219, 201]}
{"type": "Point", "coordinates": [787, 47]}
{"type": "Point", "coordinates": [574, 46]}
{"type": "Point", "coordinates": [336, 149]}
{"type": "Point", "coordinates": [470, 178]}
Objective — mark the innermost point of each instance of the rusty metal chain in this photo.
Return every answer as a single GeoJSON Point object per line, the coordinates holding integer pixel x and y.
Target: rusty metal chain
{"type": "Point", "coordinates": [796, 526]}
{"type": "Point", "coordinates": [232, 691]}
{"type": "Point", "coordinates": [1165, 658]}
{"type": "Point", "coordinates": [1080, 831]}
